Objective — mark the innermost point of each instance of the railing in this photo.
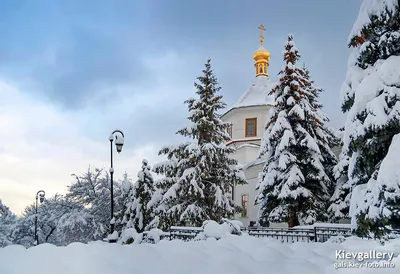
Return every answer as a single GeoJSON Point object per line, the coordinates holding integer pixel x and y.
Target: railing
{"type": "Point", "coordinates": [322, 234]}
{"type": "Point", "coordinates": [317, 234]}
{"type": "Point", "coordinates": [289, 235]}
{"type": "Point", "coordinates": [395, 233]}
{"type": "Point", "coordinates": [282, 234]}
{"type": "Point", "coordinates": [184, 233]}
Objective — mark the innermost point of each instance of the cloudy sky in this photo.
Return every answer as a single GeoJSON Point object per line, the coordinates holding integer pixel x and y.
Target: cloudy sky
{"type": "Point", "coordinates": [72, 71]}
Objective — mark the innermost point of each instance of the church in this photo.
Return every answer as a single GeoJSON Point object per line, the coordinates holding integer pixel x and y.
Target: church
{"type": "Point", "coordinates": [248, 117]}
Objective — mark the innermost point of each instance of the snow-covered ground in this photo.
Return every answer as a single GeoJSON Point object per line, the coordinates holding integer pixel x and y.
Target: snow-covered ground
{"type": "Point", "coordinates": [233, 255]}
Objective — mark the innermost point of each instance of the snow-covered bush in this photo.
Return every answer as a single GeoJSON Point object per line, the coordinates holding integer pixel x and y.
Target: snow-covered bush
{"type": "Point", "coordinates": [212, 229]}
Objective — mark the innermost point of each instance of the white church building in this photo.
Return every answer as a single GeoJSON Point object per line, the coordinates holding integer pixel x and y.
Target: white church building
{"type": "Point", "coordinates": [248, 117]}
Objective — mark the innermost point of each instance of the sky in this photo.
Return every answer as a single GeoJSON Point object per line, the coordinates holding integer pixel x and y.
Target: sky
{"type": "Point", "coordinates": [73, 71]}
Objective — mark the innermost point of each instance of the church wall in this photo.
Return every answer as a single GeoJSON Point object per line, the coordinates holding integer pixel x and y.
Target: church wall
{"type": "Point", "coordinates": [249, 190]}
{"type": "Point", "coordinates": [238, 118]}
{"type": "Point", "coordinates": [240, 156]}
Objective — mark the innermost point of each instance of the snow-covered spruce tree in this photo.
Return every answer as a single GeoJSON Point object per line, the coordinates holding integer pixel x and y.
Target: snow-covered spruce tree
{"type": "Point", "coordinates": [123, 202]}
{"type": "Point", "coordinates": [7, 224]}
{"type": "Point", "coordinates": [326, 137]}
{"type": "Point", "coordinates": [139, 214]}
{"type": "Point", "coordinates": [340, 200]}
{"type": "Point", "coordinates": [168, 169]}
{"type": "Point", "coordinates": [293, 184]}
{"type": "Point", "coordinates": [203, 169]}
{"type": "Point", "coordinates": [371, 100]}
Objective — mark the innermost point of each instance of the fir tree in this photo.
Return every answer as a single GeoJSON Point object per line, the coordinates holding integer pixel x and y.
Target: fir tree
{"type": "Point", "coordinates": [293, 185]}
{"type": "Point", "coordinates": [201, 172]}
{"type": "Point", "coordinates": [139, 214]}
{"type": "Point", "coordinates": [325, 136]}
{"type": "Point", "coordinates": [168, 169]}
{"type": "Point", "coordinates": [123, 201]}
{"type": "Point", "coordinates": [371, 101]}
{"type": "Point", "coordinates": [340, 200]}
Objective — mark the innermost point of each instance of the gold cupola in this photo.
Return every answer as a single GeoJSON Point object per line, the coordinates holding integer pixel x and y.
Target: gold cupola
{"type": "Point", "coordinates": [261, 56]}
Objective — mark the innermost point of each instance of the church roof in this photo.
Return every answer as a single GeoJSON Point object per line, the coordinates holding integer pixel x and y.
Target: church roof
{"type": "Point", "coordinates": [256, 94]}
{"type": "Point", "coordinates": [258, 161]}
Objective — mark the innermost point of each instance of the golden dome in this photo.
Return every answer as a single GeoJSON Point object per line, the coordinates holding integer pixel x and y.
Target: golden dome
{"type": "Point", "coordinates": [261, 56]}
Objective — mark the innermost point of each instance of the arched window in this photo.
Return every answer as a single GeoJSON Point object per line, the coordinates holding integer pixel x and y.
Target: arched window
{"type": "Point", "coordinates": [260, 69]}
{"type": "Point", "coordinates": [245, 199]}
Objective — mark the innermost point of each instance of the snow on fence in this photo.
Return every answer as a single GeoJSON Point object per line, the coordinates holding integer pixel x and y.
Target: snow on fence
{"type": "Point", "coordinates": [296, 234]}
{"type": "Point", "coordinates": [282, 234]}
{"type": "Point", "coordinates": [317, 234]}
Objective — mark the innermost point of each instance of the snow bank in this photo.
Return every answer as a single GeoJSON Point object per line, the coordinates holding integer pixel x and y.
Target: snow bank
{"type": "Point", "coordinates": [233, 255]}
{"type": "Point", "coordinates": [155, 234]}
{"type": "Point", "coordinates": [212, 229]}
{"type": "Point", "coordinates": [128, 235]}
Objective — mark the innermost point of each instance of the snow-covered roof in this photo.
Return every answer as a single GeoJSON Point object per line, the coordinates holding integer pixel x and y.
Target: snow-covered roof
{"type": "Point", "coordinates": [258, 161]}
{"type": "Point", "coordinates": [248, 145]}
{"type": "Point", "coordinates": [256, 94]}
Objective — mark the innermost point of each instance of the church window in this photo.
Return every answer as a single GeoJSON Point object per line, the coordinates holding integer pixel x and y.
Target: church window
{"type": "Point", "coordinates": [260, 69]}
{"type": "Point", "coordinates": [251, 127]}
{"type": "Point", "coordinates": [245, 199]}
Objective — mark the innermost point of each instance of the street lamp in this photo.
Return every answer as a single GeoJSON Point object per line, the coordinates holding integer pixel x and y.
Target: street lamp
{"type": "Point", "coordinates": [119, 142]}
{"type": "Point", "coordinates": [39, 195]}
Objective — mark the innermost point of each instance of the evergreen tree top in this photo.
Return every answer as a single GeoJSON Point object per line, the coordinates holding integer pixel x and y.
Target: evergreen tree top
{"type": "Point", "coordinates": [373, 13]}
{"type": "Point", "coordinates": [206, 127]}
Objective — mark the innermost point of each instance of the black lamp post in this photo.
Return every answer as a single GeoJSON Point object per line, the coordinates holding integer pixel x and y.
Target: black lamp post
{"type": "Point", "coordinates": [119, 142]}
{"type": "Point", "coordinates": [39, 195]}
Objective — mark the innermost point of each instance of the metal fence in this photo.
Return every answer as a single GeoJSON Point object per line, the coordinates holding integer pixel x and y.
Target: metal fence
{"type": "Point", "coordinates": [317, 234]}
{"type": "Point", "coordinates": [184, 233]}
{"type": "Point", "coordinates": [289, 235]}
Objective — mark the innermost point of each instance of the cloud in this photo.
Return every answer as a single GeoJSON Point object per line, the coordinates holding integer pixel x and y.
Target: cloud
{"type": "Point", "coordinates": [41, 147]}
{"type": "Point", "coordinates": [43, 143]}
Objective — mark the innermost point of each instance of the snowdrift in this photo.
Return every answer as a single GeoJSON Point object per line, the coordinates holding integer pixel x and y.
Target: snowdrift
{"type": "Point", "coordinates": [232, 254]}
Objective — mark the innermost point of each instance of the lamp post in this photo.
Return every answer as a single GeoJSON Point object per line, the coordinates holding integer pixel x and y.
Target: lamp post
{"type": "Point", "coordinates": [39, 195]}
{"type": "Point", "coordinates": [119, 142]}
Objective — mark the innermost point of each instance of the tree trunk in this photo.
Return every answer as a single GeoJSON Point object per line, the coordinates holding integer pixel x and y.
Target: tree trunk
{"type": "Point", "coordinates": [293, 220]}
{"type": "Point", "coordinates": [290, 221]}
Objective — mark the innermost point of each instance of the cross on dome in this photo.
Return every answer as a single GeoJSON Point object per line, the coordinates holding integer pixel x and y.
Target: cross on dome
{"type": "Point", "coordinates": [261, 56]}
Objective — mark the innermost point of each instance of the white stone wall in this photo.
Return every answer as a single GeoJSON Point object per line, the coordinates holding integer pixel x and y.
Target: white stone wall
{"type": "Point", "coordinates": [248, 189]}
{"type": "Point", "coordinates": [246, 154]}
{"type": "Point", "coordinates": [238, 118]}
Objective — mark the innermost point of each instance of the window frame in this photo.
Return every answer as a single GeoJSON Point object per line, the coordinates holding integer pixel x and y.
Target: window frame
{"type": "Point", "coordinates": [246, 127]}
{"type": "Point", "coordinates": [245, 205]}
{"type": "Point", "coordinates": [230, 130]}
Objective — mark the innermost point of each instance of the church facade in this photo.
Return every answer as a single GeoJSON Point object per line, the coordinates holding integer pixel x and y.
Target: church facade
{"type": "Point", "coordinates": [248, 117]}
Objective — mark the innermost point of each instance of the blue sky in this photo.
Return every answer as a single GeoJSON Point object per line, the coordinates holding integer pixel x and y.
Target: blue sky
{"type": "Point", "coordinates": [72, 71]}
